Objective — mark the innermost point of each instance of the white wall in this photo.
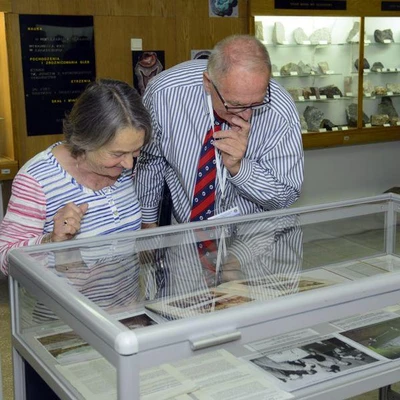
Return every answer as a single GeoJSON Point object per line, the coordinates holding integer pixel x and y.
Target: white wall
{"type": "Point", "coordinates": [349, 172]}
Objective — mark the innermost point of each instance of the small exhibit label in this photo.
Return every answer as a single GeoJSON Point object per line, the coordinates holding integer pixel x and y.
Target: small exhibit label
{"type": "Point", "coordinates": [390, 6]}
{"type": "Point", "coordinates": [311, 4]}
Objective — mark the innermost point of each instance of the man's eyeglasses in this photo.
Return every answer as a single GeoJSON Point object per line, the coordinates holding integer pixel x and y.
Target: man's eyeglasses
{"type": "Point", "coordinates": [239, 109]}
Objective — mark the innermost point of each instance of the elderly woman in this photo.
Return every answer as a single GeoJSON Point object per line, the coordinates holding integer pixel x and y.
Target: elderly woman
{"type": "Point", "coordinates": [82, 186]}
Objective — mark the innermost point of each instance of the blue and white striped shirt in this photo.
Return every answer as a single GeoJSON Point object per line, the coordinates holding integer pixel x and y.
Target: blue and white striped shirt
{"type": "Point", "coordinates": [42, 187]}
{"type": "Point", "coordinates": [271, 173]}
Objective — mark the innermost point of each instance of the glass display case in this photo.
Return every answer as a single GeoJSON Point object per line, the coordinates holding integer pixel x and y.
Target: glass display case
{"type": "Point", "coordinates": [314, 58]}
{"type": "Point", "coordinates": [381, 83]}
{"type": "Point", "coordinates": [348, 49]}
{"type": "Point", "coordinates": [300, 303]}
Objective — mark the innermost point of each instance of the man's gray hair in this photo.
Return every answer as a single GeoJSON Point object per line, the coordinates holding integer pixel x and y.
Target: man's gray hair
{"type": "Point", "coordinates": [237, 50]}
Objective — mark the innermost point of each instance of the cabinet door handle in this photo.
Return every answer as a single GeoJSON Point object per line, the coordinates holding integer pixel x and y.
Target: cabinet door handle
{"type": "Point", "coordinates": [214, 340]}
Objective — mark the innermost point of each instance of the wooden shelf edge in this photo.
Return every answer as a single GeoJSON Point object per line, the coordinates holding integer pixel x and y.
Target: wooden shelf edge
{"type": "Point", "coordinates": [8, 168]}
{"type": "Point", "coordinates": [351, 137]}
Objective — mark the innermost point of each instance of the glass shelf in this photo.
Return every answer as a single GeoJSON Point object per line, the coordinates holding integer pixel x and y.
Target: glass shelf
{"type": "Point", "coordinates": [376, 96]}
{"type": "Point", "coordinates": [275, 75]}
{"type": "Point", "coordinates": [327, 100]}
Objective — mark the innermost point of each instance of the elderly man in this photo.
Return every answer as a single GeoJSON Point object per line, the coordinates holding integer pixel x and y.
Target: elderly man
{"type": "Point", "coordinates": [227, 138]}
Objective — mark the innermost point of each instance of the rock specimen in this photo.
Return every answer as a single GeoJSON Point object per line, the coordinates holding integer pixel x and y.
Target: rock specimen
{"type": "Point", "coordinates": [278, 33]}
{"type": "Point", "coordinates": [303, 123]}
{"type": "Point", "coordinates": [327, 124]}
{"type": "Point", "coordinates": [305, 68]}
{"type": "Point", "coordinates": [376, 66]}
{"type": "Point", "coordinates": [351, 115]}
{"type": "Point", "coordinates": [321, 35]}
{"type": "Point", "coordinates": [379, 119]}
{"type": "Point", "coordinates": [290, 67]}
{"type": "Point", "coordinates": [365, 64]}
{"type": "Point", "coordinates": [383, 36]}
{"type": "Point", "coordinates": [394, 120]}
{"type": "Point", "coordinates": [347, 84]}
{"type": "Point", "coordinates": [323, 67]}
{"type": "Point", "coordinates": [386, 107]}
{"type": "Point", "coordinates": [315, 91]}
{"type": "Point", "coordinates": [259, 34]}
{"type": "Point", "coordinates": [354, 34]}
{"type": "Point", "coordinates": [313, 117]}
{"type": "Point", "coordinates": [310, 91]}
{"type": "Point", "coordinates": [380, 90]}
{"type": "Point", "coordinates": [393, 87]}
{"type": "Point", "coordinates": [299, 36]}
{"type": "Point", "coordinates": [295, 92]}
{"type": "Point", "coordinates": [330, 91]}
{"type": "Point", "coordinates": [368, 87]}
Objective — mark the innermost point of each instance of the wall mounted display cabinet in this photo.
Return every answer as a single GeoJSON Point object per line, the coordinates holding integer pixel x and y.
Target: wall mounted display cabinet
{"type": "Point", "coordinates": [341, 67]}
{"type": "Point", "coordinates": [303, 303]}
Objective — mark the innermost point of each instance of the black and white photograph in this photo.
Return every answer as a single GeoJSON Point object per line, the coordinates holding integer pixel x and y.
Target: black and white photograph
{"type": "Point", "coordinates": [382, 338]}
{"type": "Point", "coordinates": [309, 364]}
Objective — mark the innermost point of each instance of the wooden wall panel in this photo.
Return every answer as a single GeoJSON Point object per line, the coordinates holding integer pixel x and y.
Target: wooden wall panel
{"type": "Point", "coordinates": [156, 8]}
{"type": "Point", "coordinates": [195, 30]}
{"type": "Point", "coordinates": [204, 33]}
{"type": "Point", "coordinates": [5, 6]}
{"type": "Point", "coordinates": [175, 26]}
{"type": "Point", "coordinates": [113, 48]}
{"type": "Point", "coordinates": [153, 8]}
{"type": "Point", "coordinates": [60, 7]}
{"type": "Point", "coordinates": [6, 131]}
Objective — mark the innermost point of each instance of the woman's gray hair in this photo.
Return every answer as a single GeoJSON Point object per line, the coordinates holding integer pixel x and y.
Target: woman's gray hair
{"type": "Point", "coordinates": [100, 112]}
{"type": "Point", "coordinates": [237, 50]}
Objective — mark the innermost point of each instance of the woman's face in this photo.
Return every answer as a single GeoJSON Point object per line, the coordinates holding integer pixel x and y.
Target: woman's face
{"type": "Point", "coordinates": [117, 155]}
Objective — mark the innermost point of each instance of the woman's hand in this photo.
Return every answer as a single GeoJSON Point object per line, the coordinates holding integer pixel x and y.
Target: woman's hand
{"type": "Point", "coordinates": [67, 221]}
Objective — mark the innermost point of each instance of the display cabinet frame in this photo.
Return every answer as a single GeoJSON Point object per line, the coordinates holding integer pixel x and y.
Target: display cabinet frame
{"type": "Point", "coordinates": [183, 338]}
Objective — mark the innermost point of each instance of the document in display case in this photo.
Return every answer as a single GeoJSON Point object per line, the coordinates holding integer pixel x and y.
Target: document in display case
{"type": "Point", "coordinates": [299, 303]}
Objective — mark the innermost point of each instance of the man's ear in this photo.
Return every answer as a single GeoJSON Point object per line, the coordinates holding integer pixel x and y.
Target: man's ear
{"type": "Point", "coordinates": [207, 82]}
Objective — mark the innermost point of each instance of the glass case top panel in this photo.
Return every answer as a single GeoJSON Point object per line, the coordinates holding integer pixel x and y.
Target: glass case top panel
{"type": "Point", "coordinates": [205, 268]}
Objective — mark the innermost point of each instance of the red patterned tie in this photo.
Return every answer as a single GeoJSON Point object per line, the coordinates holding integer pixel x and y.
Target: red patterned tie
{"type": "Point", "coordinates": [204, 203]}
{"type": "Point", "coordinates": [204, 191]}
